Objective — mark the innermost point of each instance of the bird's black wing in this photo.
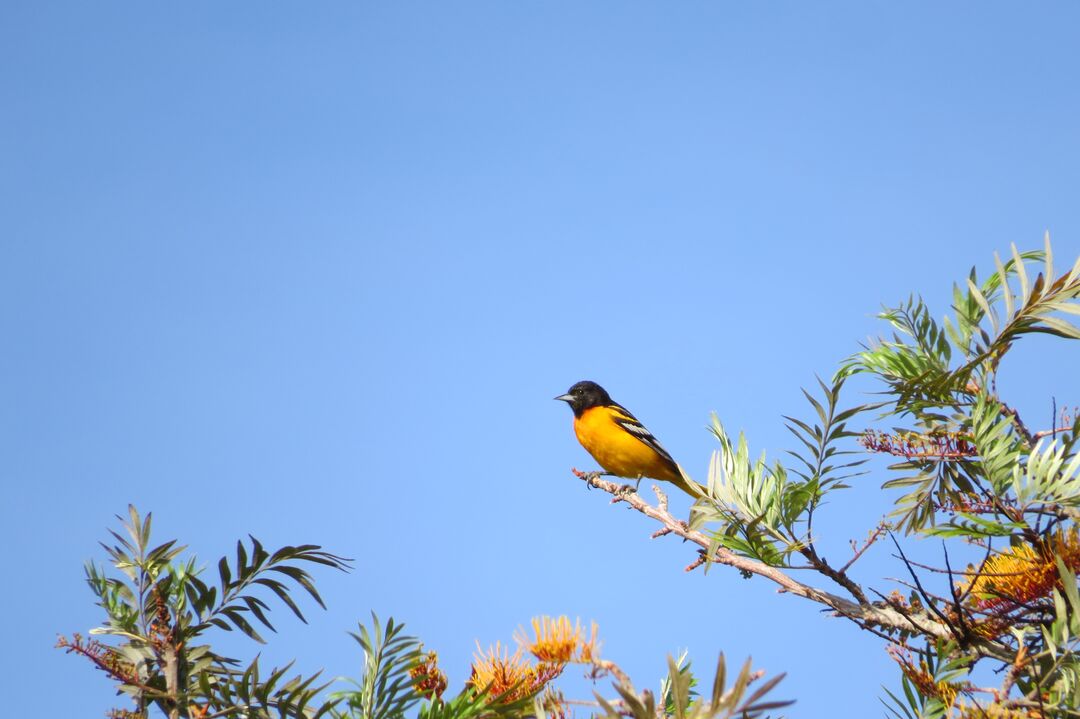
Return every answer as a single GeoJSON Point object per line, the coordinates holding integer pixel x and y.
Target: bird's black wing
{"type": "Point", "coordinates": [635, 428]}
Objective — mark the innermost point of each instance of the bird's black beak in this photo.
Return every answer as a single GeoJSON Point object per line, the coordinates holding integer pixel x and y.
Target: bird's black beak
{"type": "Point", "coordinates": [565, 398]}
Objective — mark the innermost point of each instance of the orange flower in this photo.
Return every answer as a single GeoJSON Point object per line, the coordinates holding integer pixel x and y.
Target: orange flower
{"type": "Point", "coordinates": [1022, 573]}
{"type": "Point", "coordinates": [558, 642]}
{"type": "Point", "coordinates": [507, 677]}
{"type": "Point", "coordinates": [555, 642]}
{"type": "Point", "coordinates": [589, 651]}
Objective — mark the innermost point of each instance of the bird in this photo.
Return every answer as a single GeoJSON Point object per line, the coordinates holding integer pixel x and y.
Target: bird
{"type": "Point", "coordinates": [618, 441]}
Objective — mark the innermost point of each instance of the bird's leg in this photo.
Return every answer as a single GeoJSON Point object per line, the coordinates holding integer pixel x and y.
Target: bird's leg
{"type": "Point", "coordinates": [629, 488]}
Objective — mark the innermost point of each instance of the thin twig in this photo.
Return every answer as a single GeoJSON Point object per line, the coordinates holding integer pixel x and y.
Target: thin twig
{"type": "Point", "coordinates": [1020, 426]}
{"type": "Point", "coordinates": [918, 585]}
{"type": "Point", "coordinates": [1014, 669]}
{"type": "Point", "coordinates": [1050, 432]}
{"type": "Point", "coordinates": [606, 665]}
{"type": "Point", "coordinates": [955, 595]}
{"type": "Point", "coordinates": [695, 564]}
{"type": "Point", "coordinates": [874, 536]}
{"type": "Point", "coordinates": [839, 577]}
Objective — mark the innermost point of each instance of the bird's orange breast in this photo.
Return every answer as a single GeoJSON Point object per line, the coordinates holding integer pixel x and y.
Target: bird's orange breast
{"type": "Point", "coordinates": [617, 450]}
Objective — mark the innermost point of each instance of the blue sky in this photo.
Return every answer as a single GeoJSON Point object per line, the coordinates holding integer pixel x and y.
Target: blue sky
{"type": "Point", "coordinates": [314, 272]}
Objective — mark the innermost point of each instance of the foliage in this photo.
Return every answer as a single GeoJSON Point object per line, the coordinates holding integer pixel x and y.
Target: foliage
{"type": "Point", "coordinates": [159, 611]}
{"type": "Point", "coordinates": [160, 614]}
{"type": "Point", "coordinates": [760, 510]}
{"type": "Point", "coordinates": [386, 689]}
{"type": "Point", "coordinates": [680, 703]}
{"type": "Point", "coordinates": [966, 470]}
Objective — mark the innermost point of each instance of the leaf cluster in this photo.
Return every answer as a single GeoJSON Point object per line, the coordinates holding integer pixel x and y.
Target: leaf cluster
{"type": "Point", "coordinates": [723, 702]}
{"type": "Point", "coordinates": [765, 511]}
{"type": "Point", "coordinates": [158, 610]}
{"type": "Point", "coordinates": [943, 377]}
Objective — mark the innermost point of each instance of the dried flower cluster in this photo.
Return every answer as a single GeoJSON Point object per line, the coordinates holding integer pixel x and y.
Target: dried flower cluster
{"type": "Point", "coordinates": [994, 710]}
{"type": "Point", "coordinates": [919, 675]}
{"type": "Point", "coordinates": [428, 679]}
{"type": "Point", "coordinates": [104, 657]}
{"type": "Point", "coordinates": [912, 445]}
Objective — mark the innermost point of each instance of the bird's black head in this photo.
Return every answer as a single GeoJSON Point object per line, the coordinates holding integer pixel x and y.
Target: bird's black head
{"type": "Point", "coordinates": [585, 395]}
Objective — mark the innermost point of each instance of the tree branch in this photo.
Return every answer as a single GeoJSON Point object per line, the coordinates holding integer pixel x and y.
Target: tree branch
{"type": "Point", "coordinates": [862, 612]}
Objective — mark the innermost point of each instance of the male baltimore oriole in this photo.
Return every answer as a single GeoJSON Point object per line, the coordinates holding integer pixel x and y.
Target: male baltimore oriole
{"type": "Point", "coordinates": [618, 441]}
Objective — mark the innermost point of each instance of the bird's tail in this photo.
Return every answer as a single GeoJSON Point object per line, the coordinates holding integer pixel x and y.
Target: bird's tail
{"type": "Point", "coordinates": [688, 485]}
